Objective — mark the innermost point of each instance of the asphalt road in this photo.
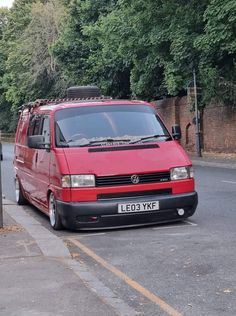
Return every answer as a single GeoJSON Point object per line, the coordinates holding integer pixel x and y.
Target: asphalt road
{"type": "Point", "coordinates": [8, 172]}
{"type": "Point", "coordinates": [190, 266]}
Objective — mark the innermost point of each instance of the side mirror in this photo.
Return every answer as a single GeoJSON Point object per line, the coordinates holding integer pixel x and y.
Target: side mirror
{"type": "Point", "coordinates": [38, 142]}
{"type": "Point", "coordinates": [176, 132]}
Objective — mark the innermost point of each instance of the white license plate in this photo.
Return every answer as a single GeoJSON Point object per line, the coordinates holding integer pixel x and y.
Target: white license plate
{"type": "Point", "coordinates": [138, 207]}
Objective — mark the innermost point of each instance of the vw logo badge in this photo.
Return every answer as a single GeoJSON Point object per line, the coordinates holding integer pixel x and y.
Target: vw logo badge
{"type": "Point", "coordinates": [135, 179]}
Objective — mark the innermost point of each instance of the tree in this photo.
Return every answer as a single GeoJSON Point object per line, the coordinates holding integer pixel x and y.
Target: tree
{"type": "Point", "coordinates": [78, 51]}
{"type": "Point", "coordinates": [31, 70]}
{"type": "Point", "coordinates": [217, 46]}
{"type": "Point", "coordinates": [129, 48]}
{"type": "Point", "coordinates": [5, 113]}
{"type": "Point", "coordinates": [154, 40]}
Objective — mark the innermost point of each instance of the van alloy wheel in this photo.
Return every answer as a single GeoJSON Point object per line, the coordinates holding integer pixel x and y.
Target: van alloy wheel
{"type": "Point", "coordinates": [20, 199]}
{"type": "Point", "coordinates": [17, 190]}
{"type": "Point", "coordinates": [54, 217]}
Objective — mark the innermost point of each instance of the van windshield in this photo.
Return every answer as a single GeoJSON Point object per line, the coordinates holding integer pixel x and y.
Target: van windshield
{"type": "Point", "coordinates": [108, 125]}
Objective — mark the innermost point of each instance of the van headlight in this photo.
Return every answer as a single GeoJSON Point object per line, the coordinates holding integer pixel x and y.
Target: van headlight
{"type": "Point", "coordinates": [78, 181]}
{"type": "Point", "coordinates": [181, 173]}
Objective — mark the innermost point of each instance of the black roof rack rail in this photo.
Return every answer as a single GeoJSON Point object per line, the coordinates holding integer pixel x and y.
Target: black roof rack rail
{"type": "Point", "coordinates": [41, 102]}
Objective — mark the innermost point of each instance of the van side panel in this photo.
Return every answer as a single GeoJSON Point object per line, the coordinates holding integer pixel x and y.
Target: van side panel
{"type": "Point", "coordinates": [20, 148]}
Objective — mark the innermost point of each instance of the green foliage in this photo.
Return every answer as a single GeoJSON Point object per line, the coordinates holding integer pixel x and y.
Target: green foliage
{"type": "Point", "coordinates": [139, 48]}
{"type": "Point", "coordinates": [217, 49]}
{"type": "Point", "coordinates": [7, 117]}
{"type": "Point", "coordinates": [5, 113]}
{"type": "Point", "coordinates": [129, 48]}
{"type": "Point", "coordinates": [78, 51]}
{"type": "Point", "coordinates": [30, 60]}
{"type": "Point", "coordinates": [28, 69]}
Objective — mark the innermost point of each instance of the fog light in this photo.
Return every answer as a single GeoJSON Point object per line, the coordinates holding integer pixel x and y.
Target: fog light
{"type": "Point", "coordinates": [87, 219]}
{"type": "Point", "coordinates": [180, 211]}
{"type": "Point", "coordinates": [93, 218]}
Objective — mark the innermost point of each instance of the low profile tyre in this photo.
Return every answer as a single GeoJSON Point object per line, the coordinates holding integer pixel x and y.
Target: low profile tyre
{"type": "Point", "coordinates": [20, 199]}
{"type": "Point", "coordinates": [54, 216]}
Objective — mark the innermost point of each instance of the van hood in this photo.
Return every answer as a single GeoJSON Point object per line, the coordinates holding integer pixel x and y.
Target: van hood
{"type": "Point", "coordinates": [116, 161]}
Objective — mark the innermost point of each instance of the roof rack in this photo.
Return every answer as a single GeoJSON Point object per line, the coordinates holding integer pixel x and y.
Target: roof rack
{"type": "Point", "coordinates": [41, 102]}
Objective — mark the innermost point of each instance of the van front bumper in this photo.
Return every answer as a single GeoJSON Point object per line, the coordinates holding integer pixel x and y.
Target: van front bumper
{"type": "Point", "coordinates": [104, 213]}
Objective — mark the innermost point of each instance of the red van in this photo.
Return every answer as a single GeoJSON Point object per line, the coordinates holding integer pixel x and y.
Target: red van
{"type": "Point", "coordinates": [101, 163]}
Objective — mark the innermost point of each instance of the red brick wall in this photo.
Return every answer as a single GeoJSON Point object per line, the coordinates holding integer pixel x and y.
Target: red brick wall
{"type": "Point", "coordinates": [218, 124]}
{"type": "Point", "coordinates": [219, 129]}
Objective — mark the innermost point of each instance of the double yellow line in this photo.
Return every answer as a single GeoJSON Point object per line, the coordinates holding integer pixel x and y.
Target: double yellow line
{"type": "Point", "coordinates": [135, 285]}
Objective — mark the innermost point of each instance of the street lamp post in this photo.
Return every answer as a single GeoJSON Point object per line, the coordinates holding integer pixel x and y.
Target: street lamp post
{"type": "Point", "coordinates": [198, 143]}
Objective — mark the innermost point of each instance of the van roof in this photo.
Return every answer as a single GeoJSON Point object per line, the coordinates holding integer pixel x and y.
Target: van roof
{"type": "Point", "coordinates": [54, 105]}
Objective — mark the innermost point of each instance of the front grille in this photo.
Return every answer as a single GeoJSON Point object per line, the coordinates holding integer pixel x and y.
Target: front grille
{"type": "Point", "coordinates": [126, 179]}
{"type": "Point", "coordinates": [120, 195]}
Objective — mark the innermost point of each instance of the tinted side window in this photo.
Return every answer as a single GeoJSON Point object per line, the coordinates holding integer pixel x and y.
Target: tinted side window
{"type": "Point", "coordinates": [34, 125]}
{"type": "Point", "coordinates": [39, 125]}
{"type": "Point", "coordinates": [45, 130]}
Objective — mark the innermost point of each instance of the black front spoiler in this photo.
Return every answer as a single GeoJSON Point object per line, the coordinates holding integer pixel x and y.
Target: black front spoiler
{"type": "Point", "coordinates": [104, 213]}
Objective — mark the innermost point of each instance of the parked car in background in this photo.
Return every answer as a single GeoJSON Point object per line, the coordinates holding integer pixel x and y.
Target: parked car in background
{"type": "Point", "coordinates": [95, 162]}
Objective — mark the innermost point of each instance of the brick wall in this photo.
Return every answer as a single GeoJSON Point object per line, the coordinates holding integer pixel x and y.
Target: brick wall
{"type": "Point", "coordinates": [218, 124]}
{"type": "Point", "coordinates": [219, 129]}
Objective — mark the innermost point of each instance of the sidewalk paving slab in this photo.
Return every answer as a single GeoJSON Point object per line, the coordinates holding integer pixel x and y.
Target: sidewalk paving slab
{"type": "Point", "coordinates": [15, 242]}
{"type": "Point", "coordinates": [44, 286]}
{"type": "Point", "coordinates": [36, 281]}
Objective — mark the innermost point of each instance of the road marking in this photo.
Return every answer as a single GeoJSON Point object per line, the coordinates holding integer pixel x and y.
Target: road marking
{"type": "Point", "coordinates": [91, 235]}
{"type": "Point", "coordinates": [80, 236]}
{"type": "Point", "coordinates": [230, 182]}
{"type": "Point", "coordinates": [167, 227]}
{"type": "Point", "coordinates": [190, 223]}
{"type": "Point", "coordinates": [185, 223]}
{"type": "Point", "coordinates": [178, 234]}
{"type": "Point", "coordinates": [135, 285]}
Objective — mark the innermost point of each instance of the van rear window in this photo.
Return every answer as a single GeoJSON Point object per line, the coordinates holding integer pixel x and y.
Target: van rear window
{"type": "Point", "coordinates": [101, 125]}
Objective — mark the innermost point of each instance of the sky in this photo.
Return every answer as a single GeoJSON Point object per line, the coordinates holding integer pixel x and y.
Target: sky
{"type": "Point", "coordinates": [6, 3]}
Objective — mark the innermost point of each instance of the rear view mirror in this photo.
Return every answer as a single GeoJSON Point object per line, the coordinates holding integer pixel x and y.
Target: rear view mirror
{"type": "Point", "coordinates": [37, 141]}
{"type": "Point", "coordinates": [176, 132]}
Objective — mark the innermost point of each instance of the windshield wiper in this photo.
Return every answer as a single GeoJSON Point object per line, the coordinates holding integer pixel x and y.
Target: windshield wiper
{"type": "Point", "coordinates": [150, 137]}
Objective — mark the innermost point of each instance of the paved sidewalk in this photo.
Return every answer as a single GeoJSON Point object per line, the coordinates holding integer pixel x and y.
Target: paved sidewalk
{"type": "Point", "coordinates": [212, 161]}
{"type": "Point", "coordinates": [38, 277]}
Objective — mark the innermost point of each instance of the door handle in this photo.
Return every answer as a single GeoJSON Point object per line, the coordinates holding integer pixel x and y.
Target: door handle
{"type": "Point", "coordinates": [36, 157]}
